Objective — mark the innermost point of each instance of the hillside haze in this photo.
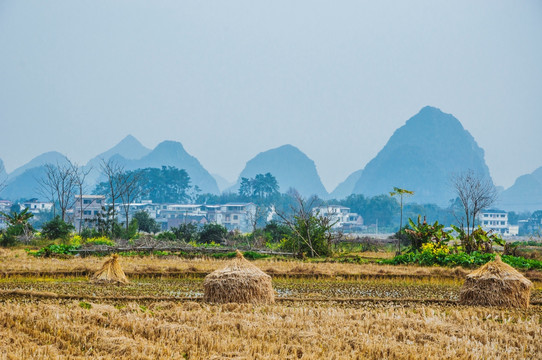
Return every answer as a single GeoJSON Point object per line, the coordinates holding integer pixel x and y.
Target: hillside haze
{"type": "Point", "coordinates": [24, 182]}
{"type": "Point", "coordinates": [347, 186]}
{"type": "Point", "coordinates": [51, 157]}
{"type": "Point", "coordinates": [290, 166]}
{"type": "Point", "coordinates": [525, 194]}
{"type": "Point", "coordinates": [128, 148]}
{"type": "Point", "coordinates": [422, 156]}
{"type": "Point", "coordinates": [172, 153]}
{"type": "Point", "coordinates": [3, 173]}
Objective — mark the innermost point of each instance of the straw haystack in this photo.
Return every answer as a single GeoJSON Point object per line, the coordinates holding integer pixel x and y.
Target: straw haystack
{"type": "Point", "coordinates": [111, 272]}
{"type": "Point", "coordinates": [496, 284]}
{"type": "Point", "coordinates": [239, 282]}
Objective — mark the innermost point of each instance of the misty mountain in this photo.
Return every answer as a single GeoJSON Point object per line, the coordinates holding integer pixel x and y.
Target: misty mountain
{"type": "Point", "coordinates": [291, 167]}
{"type": "Point", "coordinates": [422, 156]}
{"type": "Point", "coordinates": [347, 186]}
{"type": "Point", "coordinates": [23, 182]}
{"type": "Point", "coordinates": [222, 183]}
{"type": "Point", "coordinates": [172, 153]}
{"type": "Point", "coordinates": [25, 185]}
{"type": "Point", "coordinates": [128, 148]}
{"type": "Point", "coordinates": [51, 157]}
{"type": "Point", "coordinates": [3, 173]}
{"type": "Point", "coordinates": [525, 194]}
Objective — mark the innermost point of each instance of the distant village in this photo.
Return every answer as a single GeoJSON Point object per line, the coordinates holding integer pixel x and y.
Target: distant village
{"type": "Point", "coordinates": [233, 216]}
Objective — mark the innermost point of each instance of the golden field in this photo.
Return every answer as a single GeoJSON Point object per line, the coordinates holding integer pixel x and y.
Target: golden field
{"type": "Point", "coordinates": [49, 310]}
{"type": "Point", "coordinates": [18, 262]}
{"type": "Point", "coordinates": [47, 330]}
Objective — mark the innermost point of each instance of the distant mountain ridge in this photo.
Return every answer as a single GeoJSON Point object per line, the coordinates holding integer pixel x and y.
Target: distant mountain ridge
{"type": "Point", "coordinates": [525, 194]}
{"type": "Point", "coordinates": [129, 147]}
{"type": "Point", "coordinates": [51, 157]}
{"type": "Point", "coordinates": [129, 152]}
{"type": "Point", "coordinates": [26, 185]}
{"type": "Point", "coordinates": [290, 166]}
{"type": "Point", "coordinates": [222, 183]}
{"type": "Point", "coordinates": [3, 173]}
{"type": "Point", "coordinates": [347, 186]}
{"type": "Point", "coordinates": [24, 182]}
{"type": "Point", "coordinates": [422, 156]}
{"type": "Point", "coordinates": [172, 153]}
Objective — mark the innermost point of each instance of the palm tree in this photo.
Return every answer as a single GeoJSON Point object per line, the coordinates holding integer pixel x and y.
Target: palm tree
{"type": "Point", "coordinates": [400, 192]}
{"type": "Point", "coordinates": [19, 221]}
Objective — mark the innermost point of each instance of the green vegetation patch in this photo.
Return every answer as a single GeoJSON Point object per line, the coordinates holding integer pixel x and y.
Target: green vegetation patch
{"type": "Point", "coordinates": [474, 259]}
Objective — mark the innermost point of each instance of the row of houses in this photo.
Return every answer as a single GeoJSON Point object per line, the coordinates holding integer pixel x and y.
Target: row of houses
{"type": "Point", "coordinates": [341, 218]}
{"type": "Point", "coordinates": [233, 216]}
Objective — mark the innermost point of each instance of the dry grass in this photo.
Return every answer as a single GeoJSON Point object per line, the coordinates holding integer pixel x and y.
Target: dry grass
{"type": "Point", "coordinates": [39, 318]}
{"type": "Point", "coordinates": [17, 261]}
{"type": "Point", "coordinates": [496, 284]}
{"type": "Point", "coordinates": [238, 282]}
{"type": "Point", "coordinates": [111, 272]}
{"type": "Point", "coordinates": [57, 329]}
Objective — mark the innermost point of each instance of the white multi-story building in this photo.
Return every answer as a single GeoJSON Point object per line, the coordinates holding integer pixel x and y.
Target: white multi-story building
{"type": "Point", "coordinates": [340, 216]}
{"type": "Point", "coordinates": [91, 205]}
{"type": "Point", "coordinates": [233, 216]}
{"type": "Point", "coordinates": [237, 216]}
{"type": "Point", "coordinates": [36, 207]}
{"type": "Point", "coordinates": [496, 221]}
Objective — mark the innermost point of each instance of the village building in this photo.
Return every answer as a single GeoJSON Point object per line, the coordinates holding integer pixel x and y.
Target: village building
{"type": "Point", "coordinates": [496, 221]}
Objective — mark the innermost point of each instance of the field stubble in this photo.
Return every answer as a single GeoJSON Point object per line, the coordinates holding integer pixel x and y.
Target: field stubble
{"type": "Point", "coordinates": [57, 329]}
{"type": "Point", "coordinates": [115, 322]}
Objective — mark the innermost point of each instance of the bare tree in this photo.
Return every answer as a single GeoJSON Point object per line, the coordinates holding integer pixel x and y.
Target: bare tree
{"type": "Point", "coordinates": [80, 175]}
{"type": "Point", "coordinates": [112, 170]}
{"type": "Point", "coordinates": [475, 192]}
{"type": "Point", "coordinates": [59, 183]}
{"type": "Point", "coordinates": [130, 189]}
{"type": "Point", "coordinates": [308, 228]}
{"type": "Point", "coordinates": [256, 218]}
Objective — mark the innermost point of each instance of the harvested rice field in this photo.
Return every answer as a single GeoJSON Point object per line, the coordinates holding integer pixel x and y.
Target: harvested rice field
{"type": "Point", "coordinates": [190, 330]}
{"type": "Point", "coordinates": [322, 311]}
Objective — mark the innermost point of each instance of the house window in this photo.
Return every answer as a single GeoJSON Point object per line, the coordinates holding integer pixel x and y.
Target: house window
{"type": "Point", "coordinates": [87, 212]}
{"type": "Point", "coordinates": [235, 217]}
{"type": "Point", "coordinates": [98, 201]}
{"type": "Point", "coordinates": [87, 201]}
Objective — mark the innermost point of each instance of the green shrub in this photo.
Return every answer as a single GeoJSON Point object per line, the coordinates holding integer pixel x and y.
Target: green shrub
{"type": "Point", "coordinates": [166, 235]}
{"type": "Point", "coordinates": [213, 233]}
{"type": "Point", "coordinates": [54, 249]}
{"type": "Point", "coordinates": [186, 232]}
{"type": "Point", "coordinates": [428, 257]}
{"type": "Point", "coordinates": [56, 229]}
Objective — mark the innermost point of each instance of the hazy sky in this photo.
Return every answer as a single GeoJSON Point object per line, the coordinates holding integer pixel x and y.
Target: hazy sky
{"type": "Point", "coordinates": [230, 79]}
